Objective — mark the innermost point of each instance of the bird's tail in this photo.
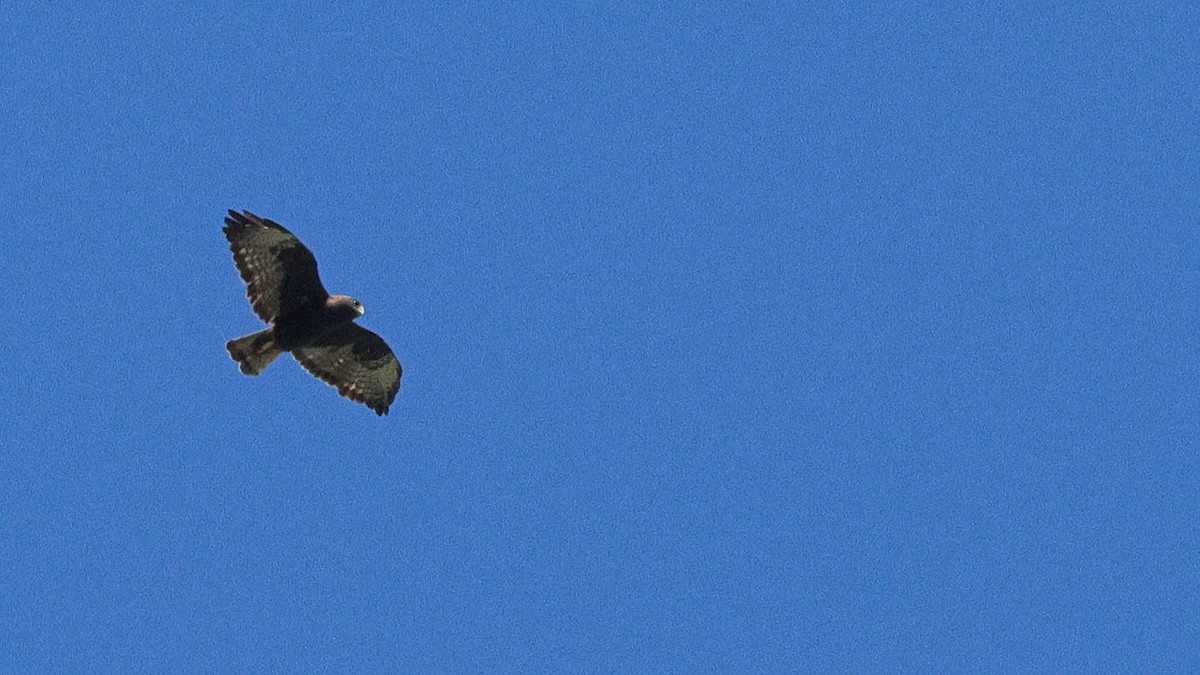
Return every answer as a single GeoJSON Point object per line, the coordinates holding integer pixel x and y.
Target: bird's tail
{"type": "Point", "coordinates": [255, 351]}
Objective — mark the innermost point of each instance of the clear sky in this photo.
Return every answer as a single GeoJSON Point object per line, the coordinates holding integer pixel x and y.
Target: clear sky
{"type": "Point", "coordinates": [734, 339]}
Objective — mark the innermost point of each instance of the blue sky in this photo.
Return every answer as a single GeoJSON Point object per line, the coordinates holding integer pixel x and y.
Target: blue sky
{"type": "Point", "coordinates": [734, 339]}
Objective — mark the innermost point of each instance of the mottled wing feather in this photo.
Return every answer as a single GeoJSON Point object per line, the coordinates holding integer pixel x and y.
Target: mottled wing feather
{"type": "Point", "coordinates": [280, 272]}
{"type": "Point", "coordinates": [356, 361]}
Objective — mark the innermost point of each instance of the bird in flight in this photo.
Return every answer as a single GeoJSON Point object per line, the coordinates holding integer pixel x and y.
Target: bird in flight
{"type": "Point", "coordinates": [316, 327]}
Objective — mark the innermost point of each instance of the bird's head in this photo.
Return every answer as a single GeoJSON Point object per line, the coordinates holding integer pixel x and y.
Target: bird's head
{"type": "Point", "coordinates": [345, 306]}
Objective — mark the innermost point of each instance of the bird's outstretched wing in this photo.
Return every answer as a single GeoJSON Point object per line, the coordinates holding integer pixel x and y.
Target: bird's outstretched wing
{"type": "Point", "coordinates": [356, 361]}
{"type": "Point", "coordinates": [280, 272]}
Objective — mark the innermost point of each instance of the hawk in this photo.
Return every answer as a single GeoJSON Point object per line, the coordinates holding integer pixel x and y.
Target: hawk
{"type": "Point", "coordinates": [316, 327]}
